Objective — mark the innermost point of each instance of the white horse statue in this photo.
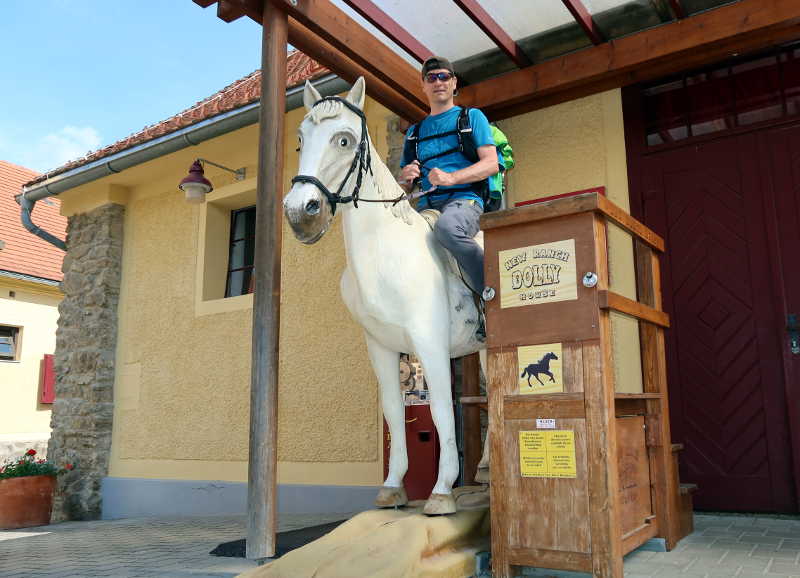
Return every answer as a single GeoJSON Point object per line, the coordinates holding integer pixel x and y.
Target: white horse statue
{"type": "Point", "coordinates": [399, 283]}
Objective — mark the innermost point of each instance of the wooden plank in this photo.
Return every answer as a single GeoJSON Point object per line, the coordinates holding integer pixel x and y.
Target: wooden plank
{"type": "Point", "coordinates": [347, 36]}
{"type": "Point", "coordinates": [563, 321]}
{"type": "Point", "coordinates": [619, 216]}
{"type": "Point", "coordinates": [556, 559]}
{"type": "Point", "coordinates": [383, 22]}
{"type": "Point", "coordinates": [502, 368]}
{"type": "Point", "coordinates": [623, 407]}
{"type": "Point", "coordinates": [564, 405]}
{"type": "Point", "coordinates": [584, 20]}
{"type": "Point", "coordinates": [634, 474]}
{"type": "Point", "coordinates": [556, 513]}
{"type": "Point", "coordinates": [639, 536]}
{"type": "Point", "coordinates": [617, 302]}
{"type": "Point", "coordinates": [666, 499]}
{"type": "Point", "coordinates": [474, 400]}
{"type": "Point", "coordinates": [230, 10]}
{"type": "Point", "coordinates": [602, 455]}
{"type": "Point", "coordinates": [592, 201]}
{"type": "Point", "coordinates": [326, 54]}
{"type": "Point", "coordinates": [493, 30]}
{"type": "Point", "coordinates": [540, 211]}
{"type": "Point", "coordinates": [471, 416]}
{"type": "Point", "coordinates": [691, 42]}
{"type": "Point", "coordinates": [262, 470]}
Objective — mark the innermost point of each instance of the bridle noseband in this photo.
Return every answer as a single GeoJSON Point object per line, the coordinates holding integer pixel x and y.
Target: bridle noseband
{"type": "Point", "coordinates": [362, 163]}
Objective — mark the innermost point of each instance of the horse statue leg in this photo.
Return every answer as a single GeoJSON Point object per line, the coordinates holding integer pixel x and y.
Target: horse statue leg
{"type": "Point", "coordinates": [386, 364]}
{"type": "Point", "coordinates": [435, 359]}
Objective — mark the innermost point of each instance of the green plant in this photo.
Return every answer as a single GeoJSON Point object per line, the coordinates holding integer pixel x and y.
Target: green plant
{"type": "Point", "coordinates": [29, 465]}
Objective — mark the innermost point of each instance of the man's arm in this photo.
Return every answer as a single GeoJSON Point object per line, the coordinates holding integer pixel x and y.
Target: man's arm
{"type": "Point", "coordinates": [483, 169]}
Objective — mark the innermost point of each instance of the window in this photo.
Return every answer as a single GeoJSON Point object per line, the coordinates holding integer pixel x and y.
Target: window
{"type": "Point", "coordinates": [9, 343]}
{"type": "Point", "coordinates": [741, 92]}
{"type": "Point", "coordinates": [241, 251]}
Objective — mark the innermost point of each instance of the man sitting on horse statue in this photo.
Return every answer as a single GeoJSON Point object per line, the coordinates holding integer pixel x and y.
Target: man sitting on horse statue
{"type": "Point", "coordinates": [453, 166]}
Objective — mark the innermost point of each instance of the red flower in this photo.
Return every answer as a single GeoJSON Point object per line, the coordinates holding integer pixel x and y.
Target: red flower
{"type": "Point", "coordinates": [31, 452]}
{"type": "Point", "coordinates": [69, 467]}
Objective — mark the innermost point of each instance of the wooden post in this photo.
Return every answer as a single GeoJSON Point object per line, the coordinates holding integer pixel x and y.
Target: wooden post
{"type": "Point", "coordinates": [261, 479]}
{"type": "Point", "coordinates": [471, 416]}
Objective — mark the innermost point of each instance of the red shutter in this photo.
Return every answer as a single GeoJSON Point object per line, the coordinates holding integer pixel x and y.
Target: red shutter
{"type": "Point", "coordinates": [48, 380]}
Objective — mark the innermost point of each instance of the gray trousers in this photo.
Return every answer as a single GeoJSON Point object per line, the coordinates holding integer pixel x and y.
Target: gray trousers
{"type": "Point", "coordinates": [455, 229]}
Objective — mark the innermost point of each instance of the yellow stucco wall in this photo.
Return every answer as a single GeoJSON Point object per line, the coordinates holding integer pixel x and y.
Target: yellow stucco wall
{"type": "Point", "coordinates": [183, 356]}
{"type": "Point", "coordinates": [570, 147]}
{"type": "Point", "coordinates": [33, 307]}
{"type": "Point", "coordinates": [183, 359]}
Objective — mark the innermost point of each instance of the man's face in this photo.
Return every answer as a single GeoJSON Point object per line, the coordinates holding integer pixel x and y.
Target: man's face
{"type": "Point", "coordinates": [439, 91]}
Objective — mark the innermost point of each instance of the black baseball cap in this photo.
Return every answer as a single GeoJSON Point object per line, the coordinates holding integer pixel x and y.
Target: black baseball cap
{"type": "Point", "coordinates": [436, 63]}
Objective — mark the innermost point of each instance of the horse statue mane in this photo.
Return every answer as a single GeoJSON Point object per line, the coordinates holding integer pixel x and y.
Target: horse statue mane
{"type": "Point", "coordinates": [397, 284]}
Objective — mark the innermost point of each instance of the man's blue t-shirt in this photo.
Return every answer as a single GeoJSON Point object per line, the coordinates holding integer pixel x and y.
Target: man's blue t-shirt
{"type": "Point", "coordinates": [446, 122]}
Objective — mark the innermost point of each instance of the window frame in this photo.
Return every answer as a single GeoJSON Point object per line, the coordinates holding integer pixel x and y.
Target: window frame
{"type": "Point", "coordinates": [247, 240]}
{"type": "Point", "coordinates": [15, 332]}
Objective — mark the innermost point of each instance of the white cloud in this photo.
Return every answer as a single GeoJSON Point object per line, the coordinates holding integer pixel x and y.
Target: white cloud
{"type": "Point", "coordinates": [56, 148]}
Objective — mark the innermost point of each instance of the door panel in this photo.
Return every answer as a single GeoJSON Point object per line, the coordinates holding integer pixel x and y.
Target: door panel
{"type": "Point", "coordinates": [727, 394]}
{"type": "Point", "coordinates": [780, 149]}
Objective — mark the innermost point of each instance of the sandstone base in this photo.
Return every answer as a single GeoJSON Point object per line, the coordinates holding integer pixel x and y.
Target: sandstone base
{"type": "Point", "coordinates": [399, 543]}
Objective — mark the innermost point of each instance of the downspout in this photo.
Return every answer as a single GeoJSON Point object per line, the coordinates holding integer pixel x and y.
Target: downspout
{"type": "Point", "coordinates": [189, 136]}
{"type": "Point", "coordinates": [27, 207]}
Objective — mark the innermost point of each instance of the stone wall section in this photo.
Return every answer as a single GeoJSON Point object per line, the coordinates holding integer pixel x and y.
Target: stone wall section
{"type": "Point", "coordinates": [84, 360]}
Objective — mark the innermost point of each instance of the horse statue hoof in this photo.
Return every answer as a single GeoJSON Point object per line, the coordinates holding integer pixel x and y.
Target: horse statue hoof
{"type": "Point", "coordinates": [438, 504]}
{"type": "Point", "coordinates": [482, 476]}
{"type": "Point", "coordinates": [389, 497]}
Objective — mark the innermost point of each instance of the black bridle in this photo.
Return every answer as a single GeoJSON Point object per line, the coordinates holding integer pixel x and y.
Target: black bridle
{"type": "Point", "coordinates": [362, 163]}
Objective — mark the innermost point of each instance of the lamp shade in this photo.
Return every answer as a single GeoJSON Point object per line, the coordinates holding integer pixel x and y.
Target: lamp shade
{"type": "Point", "coordinates": [195, 185]}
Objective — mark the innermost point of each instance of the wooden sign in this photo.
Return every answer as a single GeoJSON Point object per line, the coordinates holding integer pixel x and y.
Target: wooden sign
{"type": "Point", "coordinates": [540, 369]}
{"type": "Point", "coordinates": [537, 274]}
{"type": "Point", "coordinates": [547, 454]}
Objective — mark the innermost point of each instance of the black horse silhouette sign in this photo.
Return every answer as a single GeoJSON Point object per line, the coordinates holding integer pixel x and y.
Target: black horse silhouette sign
{"type": "Point", "coordinates": [540, 367]}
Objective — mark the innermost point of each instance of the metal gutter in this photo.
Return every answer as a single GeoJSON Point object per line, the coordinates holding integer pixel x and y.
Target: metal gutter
{"type": "Point", "coordinates": [188, 136]}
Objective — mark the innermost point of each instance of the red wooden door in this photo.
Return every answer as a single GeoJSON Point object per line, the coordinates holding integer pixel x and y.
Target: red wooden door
{"type": "Point", "coordinates": [780, 154]}
{"type": "Point", "coordinates": [728, 396]}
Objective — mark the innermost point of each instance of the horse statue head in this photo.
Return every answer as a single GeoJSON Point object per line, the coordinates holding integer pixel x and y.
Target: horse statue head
{"type": "Point", "coordinates": [334, 155]}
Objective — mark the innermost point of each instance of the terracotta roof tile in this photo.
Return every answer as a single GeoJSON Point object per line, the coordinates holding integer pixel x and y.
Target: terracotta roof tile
{"type": "Point", "coordinates": [24, 252]}
{"type": "Point", "coordinates": [244, 91]}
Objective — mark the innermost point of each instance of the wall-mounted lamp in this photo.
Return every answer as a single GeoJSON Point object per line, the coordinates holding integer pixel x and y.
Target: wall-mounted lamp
{"type": "Point", "coordinates": [197, 186]}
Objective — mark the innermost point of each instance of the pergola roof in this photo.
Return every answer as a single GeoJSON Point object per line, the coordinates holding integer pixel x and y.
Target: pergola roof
{"type": "Point", "coordinates": [516, 56]}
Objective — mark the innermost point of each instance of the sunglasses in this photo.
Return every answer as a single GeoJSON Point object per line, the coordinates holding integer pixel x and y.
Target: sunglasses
{"type": "Point", "coordinates": [434, 76]}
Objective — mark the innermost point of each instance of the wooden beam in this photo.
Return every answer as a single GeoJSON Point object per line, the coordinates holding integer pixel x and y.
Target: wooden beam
{"type": "Point", "coordinates": [695, 41]}
{"type": "Point", "coordinates": [386, 24]}
{"type": "Point", "coordinates": [620, 303]}
{"type": "Point", "coordinates": [262, 504]}
{"type": "Point", "coordinates": [494, 31]}
{"type": "Point", "coordinates": [303, 39]}
{"type": "Point", "coordinates": [677, 9]}
{"type": "Point", "coordinates": [471, 416]}
{"type": "Point", "coordinates": [585, 20]}
{"type": "Point", "coordinates": [230, 10]}
{"type": "Point", "coordinates": [204, 3]}
{"type": "Point", "coordinates": [347, 36]}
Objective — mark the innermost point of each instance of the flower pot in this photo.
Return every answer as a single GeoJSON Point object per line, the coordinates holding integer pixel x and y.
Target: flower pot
{"type": "Point", "coordinates": [26, 501]}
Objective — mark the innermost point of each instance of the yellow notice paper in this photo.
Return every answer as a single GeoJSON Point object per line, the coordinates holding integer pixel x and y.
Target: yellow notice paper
{"type": "Point", "coordinates": [537, 274]}
{"type": "Point", "coordinates": [547, 454]}
{"type": "Point", "coordinates": [540, 368]}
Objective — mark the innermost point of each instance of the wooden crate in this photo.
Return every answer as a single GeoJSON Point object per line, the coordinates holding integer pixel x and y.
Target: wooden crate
{"type": "Point", "coordinates": [581, 475]}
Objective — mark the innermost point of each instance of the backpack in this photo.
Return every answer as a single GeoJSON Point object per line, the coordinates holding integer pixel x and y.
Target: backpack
{"type": "Point", "coordinates": [494, 187]}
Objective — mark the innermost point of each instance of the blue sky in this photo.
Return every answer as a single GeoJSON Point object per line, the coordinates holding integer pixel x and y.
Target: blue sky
{"type": "Point", "coordinates": [81, 74]}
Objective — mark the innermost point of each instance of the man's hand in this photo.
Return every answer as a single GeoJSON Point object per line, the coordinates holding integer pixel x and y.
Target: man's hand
{"type": "Point", "coordinates": [440, 178]}
{"type": "Point", "coordinates": [409, 174]}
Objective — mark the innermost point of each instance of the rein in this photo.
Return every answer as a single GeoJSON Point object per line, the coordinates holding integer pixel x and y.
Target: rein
{"type": "Point", "coordinates": [362, 163]}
